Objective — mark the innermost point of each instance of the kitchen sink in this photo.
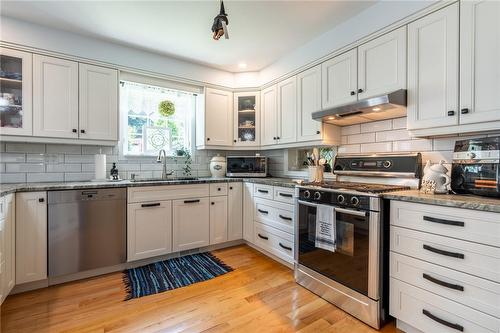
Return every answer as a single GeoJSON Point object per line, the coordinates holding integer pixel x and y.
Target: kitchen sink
{"type": "Point", "coordinates": [154, 180]}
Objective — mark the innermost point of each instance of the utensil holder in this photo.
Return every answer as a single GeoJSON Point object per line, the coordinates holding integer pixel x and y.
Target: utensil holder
{"type": "Point", "coordinates": [316, 174]}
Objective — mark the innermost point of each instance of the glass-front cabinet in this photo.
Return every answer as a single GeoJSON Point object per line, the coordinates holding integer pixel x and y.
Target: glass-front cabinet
{"type": "Point", "coordinates": [246, 119]}
{"type": "Point", "coordinates": [15, 92]}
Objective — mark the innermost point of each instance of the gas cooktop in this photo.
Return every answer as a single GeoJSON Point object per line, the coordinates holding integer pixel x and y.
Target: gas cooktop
{"type": "Point", "coordinates": [359, 187]}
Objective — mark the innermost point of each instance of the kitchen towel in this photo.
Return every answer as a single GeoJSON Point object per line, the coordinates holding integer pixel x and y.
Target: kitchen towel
{"type": "Point", "coordinates": [100, 166]}
{"type": "Point", "coordinates": [325, 228]}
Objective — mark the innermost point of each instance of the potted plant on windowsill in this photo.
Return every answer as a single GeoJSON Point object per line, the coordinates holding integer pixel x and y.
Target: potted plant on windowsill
{"type": "Point", "coordinates": [184, 152]}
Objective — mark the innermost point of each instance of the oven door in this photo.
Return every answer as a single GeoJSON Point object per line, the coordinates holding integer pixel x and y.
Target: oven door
{"type": "Point", "coordinates": [355, 262]}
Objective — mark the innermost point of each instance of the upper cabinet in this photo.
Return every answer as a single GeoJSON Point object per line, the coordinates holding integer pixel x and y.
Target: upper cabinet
{"type": "Point", "coordinates": [433, 70]}
{"type": "Point", "coordinates": [246, 119]}
{"type": "Point", "coordinates": [339, 80]}
{"type": "Point", "coordinates": [269, 116]}
{"type": "Point", "coordinates": [98, 109]}
{"type": "Point", "coordinates": [479, 61]}
{"type": "Point", "coordinates": [15, 92]}
{"type": "Point", "coordinates": [287, 111]}
{"type": "Point", "coordinates": [218, 124]}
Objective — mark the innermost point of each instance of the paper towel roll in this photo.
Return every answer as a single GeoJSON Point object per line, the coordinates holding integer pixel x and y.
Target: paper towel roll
{"type": "Point", "coordinates": [100, 166]}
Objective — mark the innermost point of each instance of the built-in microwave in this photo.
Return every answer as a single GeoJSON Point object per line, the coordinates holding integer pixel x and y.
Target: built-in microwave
{"type": "Point", "coordinates": [246, 166]}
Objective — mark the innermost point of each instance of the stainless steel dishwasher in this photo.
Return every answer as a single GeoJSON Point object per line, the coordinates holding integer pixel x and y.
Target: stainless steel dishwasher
{"type": "Point", "coordinates": [87, 229]}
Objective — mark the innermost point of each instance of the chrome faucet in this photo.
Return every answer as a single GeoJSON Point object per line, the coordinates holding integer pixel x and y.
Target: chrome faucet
{"type": "Point", "coordinates": [160, 159]}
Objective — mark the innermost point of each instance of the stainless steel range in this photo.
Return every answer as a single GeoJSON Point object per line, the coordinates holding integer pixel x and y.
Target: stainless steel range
{"type": "Point", "coordinates": [342, 234]}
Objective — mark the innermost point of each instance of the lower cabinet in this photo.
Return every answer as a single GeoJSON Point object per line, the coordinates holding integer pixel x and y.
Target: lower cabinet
{"type": "Point", "coordinates": [191, 223]}
{"type": "Point", "coordinates": [149, 229]}
{"type": "Point", "coordinates": [31, 237]}
{"type": "Point", "coordinates": [248, 211]}
{"type": "Point", "coordinates": [235, 211]}
{"type": "Point", "coordinates": [8, 245]}
{"type": "Point", "coordinates": [218, 219]}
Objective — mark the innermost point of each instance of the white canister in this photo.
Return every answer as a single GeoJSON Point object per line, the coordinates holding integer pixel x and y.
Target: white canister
{"type": "Point", "coordinates": [100, 166]}
{"type": "Point", "coordinates": [218, 166]}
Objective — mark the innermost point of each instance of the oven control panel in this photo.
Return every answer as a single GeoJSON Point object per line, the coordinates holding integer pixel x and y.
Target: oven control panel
{"type": "Point", "coordinates": [335, 198]}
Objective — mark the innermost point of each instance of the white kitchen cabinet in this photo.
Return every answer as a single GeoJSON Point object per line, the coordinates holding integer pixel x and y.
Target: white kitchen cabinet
{"type": "Point", "coordinates": [9, 245]}
{"type": "Point", "coordinates": [31, 237]}
{"type": "Point", "coordinates": [218, 117]}
{"type": "Point", "coordinates": [433, 46]}
{"type": "Point", "coordinates": [339, 79]}
{"type": "Point", "coordinates": [287, 110]}
{"type": "Point", "coordinates": [248, 211]}
{"type": "Point", "coordinates": [16, 118]}
{"type": "Point", "coordinates": [235, 211]}
{"type": "Point", "coordinates": [149, 229]}
{"type": "Point", "coordinates": [269, 116]}
{"type": "Point", "coordinates": [98, 103]}
{"type": "Point", "coordinates": [246, 119]}
{"type": "Point", "coordinates": [308, 101]}
{"type": "Point", "coordinates": [479, 61]}
{"type": "Point", "coordinates": [382, 64]}
{"type": "Point", "coordinates": [190, 224]}
{"type": "Point", "coordinates": [55, 97]}
{"type": "Point", "coordinates": [218, 219]}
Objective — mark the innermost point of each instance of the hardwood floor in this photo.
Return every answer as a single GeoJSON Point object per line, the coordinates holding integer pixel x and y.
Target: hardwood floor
{"type": "Point", "coordinates": [259, 296]}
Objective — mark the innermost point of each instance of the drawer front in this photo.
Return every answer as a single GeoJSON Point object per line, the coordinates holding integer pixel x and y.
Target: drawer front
{"type": "Point", "coordinates": [479, 260]}
{"type": "Point", "coordinates": [218, 189]}
{"type": "Point", "coordinates": [275, 214]}
{"type": "Point", "coordinates": [274, 241]}
{"type": "Point", "coordinates": [471, 225]}
{"type": "Point", "coordinates": [167, 192]}
{"type": "Point", "coordinates": [263, 191]}
{"type": "Point", "coordinates": [284, 194]}
{"type": "Point", "coordinates": [477, 293]}
{"type": "Point", "coordinates": [432, 313]}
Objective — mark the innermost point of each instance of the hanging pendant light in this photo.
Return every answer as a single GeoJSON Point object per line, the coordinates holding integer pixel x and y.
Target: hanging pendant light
{"type": "Point", "coordinates": [219, 27]}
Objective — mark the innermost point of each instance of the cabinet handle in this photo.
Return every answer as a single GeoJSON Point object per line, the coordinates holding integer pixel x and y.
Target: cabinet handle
{"type": "Point", "coordinates": [285, 247]}
{"type": "Point", "coordinates": [443, 221]}
{"type": "Point", "coordinates": [464, 111]}
{"type": "Point", "coordinates": [82, 131]}
{"type": "Point", "coordinates": [262, 211]}
{"type": "Point", "coordinates": [286, 195]}
{"type": "Point", "coordinates": [277, 138]}
{"type": "Point", "coordinates": [156, 204]}
{"type": "Point", "coordinates": [443, 252]}
{"type": "Point", "coordinates": [191, 201]}
{"type": "Point", "coordinates": [230, 187]}
{"type": "Point", "coordinates": [234, 140]}
{"type": "Point", "coordinates": [213, 203]}
{"type": "Point", "coordinates": [451, 113]}
{"type": "Point", "coordinates": [208, 139]}
{"type": "Point", "coordinates": [41, 200]}
{"type": "Point", "coordinates": [218, 188]}
{"type": "Point", "coordinates": [318, 132]}
{"type": "Point", "coordinates": [263, 191]}
{"type": "Point", "coordinates": [74, 130]}
{"type": "Point", "coordinates": [442, 321]}
{"type": "Point", "coordinates": [442, 283]}
{"type": "Point", "coordinates": [274, 138]}
{"type": "Point", "coordinates": [353, 93]}
{"type": "Point", "coordinates": [360, 91]}
{"type": "Point", "coordinates": [263, 237]}
{"type": "Point", "coordinates": [285, 218]}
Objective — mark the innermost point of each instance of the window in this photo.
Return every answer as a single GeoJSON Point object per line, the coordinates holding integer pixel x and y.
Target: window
{"type": "Point", "coordinates": [146, 128]}
{"type": "Point", "coordinates": [296, 159]}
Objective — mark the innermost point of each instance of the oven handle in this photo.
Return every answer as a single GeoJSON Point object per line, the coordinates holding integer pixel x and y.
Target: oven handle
{"type": "Point", "coordinates": [350, 211]}
{"type": "Point", "coordinates": [305, 203]}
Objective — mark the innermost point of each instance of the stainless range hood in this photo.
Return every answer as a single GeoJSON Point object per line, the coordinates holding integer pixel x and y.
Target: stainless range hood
{"type": "Point", "coordinates": [386, 106]}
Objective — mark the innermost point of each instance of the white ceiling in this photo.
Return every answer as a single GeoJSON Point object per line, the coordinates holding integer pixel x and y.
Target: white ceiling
{"type": "Point", "coordinates": [260, 32]}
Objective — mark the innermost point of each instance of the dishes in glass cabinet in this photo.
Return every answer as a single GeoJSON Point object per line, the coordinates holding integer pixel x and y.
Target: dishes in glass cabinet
{"type": "Point", "coordinates": [247, 135]}
{"type": "Point", "coordinates": [10, 75]}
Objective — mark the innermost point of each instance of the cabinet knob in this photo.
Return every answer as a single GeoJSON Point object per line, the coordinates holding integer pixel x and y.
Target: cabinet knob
{"type": "Point", "coordinates": [213, 203]}
{"type": "Point", "coordinates": [234, 140]}
{"type": "Point", "coordinates": [274, 138]}
{"type": "Point", "coordinates": [360, 91]}
{"type": "Point", "coordinates": [353, 93]}
{"type": "Point", "coordinates": [208, 139]}
{"type": "Point", "coordinates": [277, 138]}
{"type": "Point", "coordinates": [230, 187]}
{"type": "Point", "coordinates": [451, 113]}
{"type": "Point", "coordinates": [74, 130]}
{"type": "Point", "coordinates": [318, 132]}
{"type": "Point", "coordinates": [41, 200]}
{"type": "Point", "coordinates": [82, 131]}
{"type": "Point", "coordinates": [464, 111]}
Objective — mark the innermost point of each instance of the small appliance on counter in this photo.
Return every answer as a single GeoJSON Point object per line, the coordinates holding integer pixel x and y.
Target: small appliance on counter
{"type": "Point", "coordinates": [246, 166]}
{"type": "Point", "coordinates": [218, 166]}
{"type": "Point", "coordinates": [476, 167]}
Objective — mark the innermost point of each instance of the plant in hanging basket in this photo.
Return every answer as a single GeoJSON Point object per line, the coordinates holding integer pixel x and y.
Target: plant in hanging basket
{"type": "Point", "coordinates": [166, 108]}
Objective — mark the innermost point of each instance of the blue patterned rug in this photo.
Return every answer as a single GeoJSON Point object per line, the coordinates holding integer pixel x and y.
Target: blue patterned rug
{"type": "Point", "coordinates": [172, 273]}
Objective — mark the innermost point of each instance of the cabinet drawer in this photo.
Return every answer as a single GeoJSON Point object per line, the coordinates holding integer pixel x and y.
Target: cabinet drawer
{"type": "Point", "coordinates": [166, 192]}
{"type": "Point", "coordinates": [274, 241]}
{"type": "Point", "coordinates": [275, 214]}
{"type": "Point", "coordinates": [283, 194]}
{"type": "Point", "coordinates": [218, 189]}
{"type": "Point", "coordinates": [432, 313]}
{"type": "Point", "coordinates": [477, 293]}
{"type": "Point", "coordinates": [479, 260]}
{"type": "Point", "coordinates": [472, 225]}
{"type": "Point", "coordinates": [263, 191]}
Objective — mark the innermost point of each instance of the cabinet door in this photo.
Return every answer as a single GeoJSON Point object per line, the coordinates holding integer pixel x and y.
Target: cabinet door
{"type": "Point", "coordinates": [235, 211]}
{"type": "Point", "coordinates": [9, 236]}
{"type": "Point", "coordinates": [246, 119]}
{"type": "Point", "coordinates": [31, 236]}
{"type": "Point", "coordinates": [98, 112]}
{"type": "Point", "coordinates": [308, 101]}
{"type": "Point", "coordinates": [191, 224]}
{"type": "Point", "coordinates": [248, 212]}
{"type": "Point", "coordinates": [218, 219]}
{"type": "Point", "coordinates": [339, 79]}
{"type": "Point", "coordinates": [479, 61]}
{"type": "Point", "coordinates": [218, 117]}
{"type": "Point", "coordinates": [16, 117]}
{"type": "Point", "coordinates": [287, 110]}
{"type": "Point", "coordinates": [433, 70]}
{"type": "Point", "coordinates": [149, 229]}
{"type": "Point", "coordinates": [269, 116]}
{"type": "Point", "coordinates": [55, 97]}
{"type": "Point", "coordinates": [382, 64]}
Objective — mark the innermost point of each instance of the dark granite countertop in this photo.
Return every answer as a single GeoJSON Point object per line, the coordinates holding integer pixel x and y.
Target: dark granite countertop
{"type": "Point", "coordinates": [474, 202]}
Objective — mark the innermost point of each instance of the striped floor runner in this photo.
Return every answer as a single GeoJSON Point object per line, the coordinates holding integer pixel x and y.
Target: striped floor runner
{"type": "Point", "coordinates": [172, 273]}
